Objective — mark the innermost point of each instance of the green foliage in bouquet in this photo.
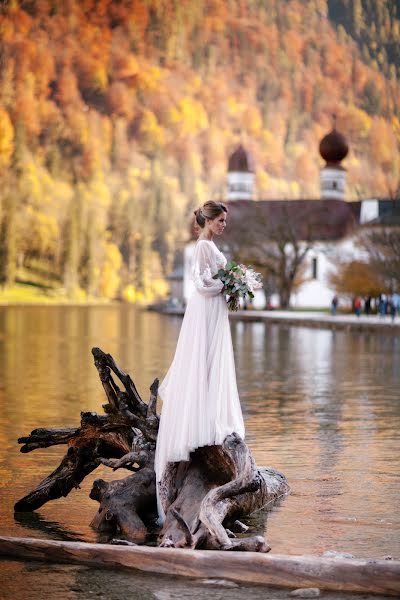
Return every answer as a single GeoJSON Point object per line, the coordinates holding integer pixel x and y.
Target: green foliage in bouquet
{"type": "Point", "coordinates": [239, 281]}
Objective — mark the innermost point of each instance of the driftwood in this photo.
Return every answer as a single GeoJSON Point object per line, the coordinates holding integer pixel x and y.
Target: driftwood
{"type": "Point", "coordinates": [202, 498]}
{"type": "Point", "coordinates": [347, 575]}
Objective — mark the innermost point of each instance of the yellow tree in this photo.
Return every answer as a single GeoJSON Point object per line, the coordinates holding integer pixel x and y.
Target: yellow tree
{"type": "Point", "coordinates": [6, 139]}
{"type": "Point", "coordinates": [6, 151]}
{"type": "Point", "coordinates": [13, 150]}
{"type": "Point", "coordinates": [356, 278]}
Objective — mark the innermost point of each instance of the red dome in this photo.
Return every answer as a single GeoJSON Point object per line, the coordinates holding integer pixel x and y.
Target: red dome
{"type": "Point", "coordinates": [333, 147]}
{"type": "Point", "coordinates": [240, 161]}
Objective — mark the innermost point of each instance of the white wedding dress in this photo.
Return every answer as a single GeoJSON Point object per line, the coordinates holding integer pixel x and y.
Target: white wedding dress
{"type": "Point", "coordinates": [200, 398]}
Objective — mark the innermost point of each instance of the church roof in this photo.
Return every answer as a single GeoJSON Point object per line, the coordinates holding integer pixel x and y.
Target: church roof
{"type": "Point", "coordinates": [311, 220]}
{"type": "Point", "coordinates": [314, 220]}
{"type": "Point", "coordinates": [240, 161]}
{"type": "Point", "coordinates": [333, 147]}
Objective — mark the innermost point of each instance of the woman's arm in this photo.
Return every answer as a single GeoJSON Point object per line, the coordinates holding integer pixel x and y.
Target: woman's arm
{"type": "Point", "coordinates": [204, 267]}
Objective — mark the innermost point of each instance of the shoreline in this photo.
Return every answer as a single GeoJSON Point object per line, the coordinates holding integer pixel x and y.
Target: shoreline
{"type": "Point", "coordinates": [364, 323]}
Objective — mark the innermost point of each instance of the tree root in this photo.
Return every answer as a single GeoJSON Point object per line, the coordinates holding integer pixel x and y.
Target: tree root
{"type": "Point", "coordinates": [200, 497]}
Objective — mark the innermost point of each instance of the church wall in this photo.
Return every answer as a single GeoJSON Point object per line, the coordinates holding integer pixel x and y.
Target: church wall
{"type": "Point", "coordinates": [240, 185]}
{"type": "Point", "coordinates": [315, 292]}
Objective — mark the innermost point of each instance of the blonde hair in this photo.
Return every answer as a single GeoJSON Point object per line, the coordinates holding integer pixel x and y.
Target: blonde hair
{"type": "Point", "coordinates": [209, 210]}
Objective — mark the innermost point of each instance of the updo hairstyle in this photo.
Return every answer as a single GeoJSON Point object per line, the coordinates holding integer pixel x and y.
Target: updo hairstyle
{"type": "Point", "coordinates": [209, 210]}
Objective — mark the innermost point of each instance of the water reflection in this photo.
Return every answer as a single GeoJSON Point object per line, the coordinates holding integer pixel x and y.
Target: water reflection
{"type": "Point", "coordinates": [36, 522]}
{"type": "Point", "coordinates": [321, 406]}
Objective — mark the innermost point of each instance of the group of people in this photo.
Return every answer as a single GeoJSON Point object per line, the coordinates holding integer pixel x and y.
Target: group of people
{"type": "Point", "coordinates": [382, 305]}
{"type": "Point", "coordinates": [388, 305]}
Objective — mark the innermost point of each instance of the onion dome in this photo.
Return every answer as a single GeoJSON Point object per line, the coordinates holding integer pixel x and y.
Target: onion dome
{"type": "Point", "coordinates": [240, 161]}
{"type": "Point", "coordinates": [333, 147]}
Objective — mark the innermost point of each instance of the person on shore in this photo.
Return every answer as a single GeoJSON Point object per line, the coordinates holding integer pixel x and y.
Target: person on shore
{"type": "Point", "coordinates": [357, 304]}
{"type": "Point", "coordinates": [382, 306]}
{"type": "Point", "coordinates": [396, 300]}
{"type": "Point", "coordinates": [334, 305]}
{"type": "Point", "coordinates": [367, 305]}
{"type": "Point", "coordinates": [394, 305]}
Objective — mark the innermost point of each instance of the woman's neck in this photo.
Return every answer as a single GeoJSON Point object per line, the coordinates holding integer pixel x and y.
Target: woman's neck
{"type": "Point", "coordinates": [206, 236]}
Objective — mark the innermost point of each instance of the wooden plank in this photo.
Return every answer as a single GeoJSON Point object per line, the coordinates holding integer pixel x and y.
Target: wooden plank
{"type": "Point", "coordinates": [351, 575]}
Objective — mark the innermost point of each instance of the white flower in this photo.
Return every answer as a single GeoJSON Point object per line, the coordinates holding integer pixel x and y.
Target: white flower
{"type": "Point", "coordinates": [253, 279]}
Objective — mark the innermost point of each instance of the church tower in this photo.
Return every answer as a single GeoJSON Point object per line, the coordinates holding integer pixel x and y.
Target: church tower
{"type": "Point", "coordinates": [240, 176]}
{"type": "Point", "coordinates": [333, 148]}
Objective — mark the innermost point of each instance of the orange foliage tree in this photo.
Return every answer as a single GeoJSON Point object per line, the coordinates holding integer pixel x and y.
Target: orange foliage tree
{"type": "Point", "coordinates": [357, 278]}
{"type": "Point", "coordinates": [164, 90]}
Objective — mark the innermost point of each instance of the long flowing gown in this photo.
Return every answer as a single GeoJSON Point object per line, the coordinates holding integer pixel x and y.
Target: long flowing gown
{"type": "Point", "coordinates": [201, 403]}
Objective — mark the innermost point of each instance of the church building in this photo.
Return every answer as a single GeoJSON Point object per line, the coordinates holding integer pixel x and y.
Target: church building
{"type": "Point", "coordinates": [327, 226]}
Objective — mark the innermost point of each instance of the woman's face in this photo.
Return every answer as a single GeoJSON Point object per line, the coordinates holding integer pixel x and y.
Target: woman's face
{"type": "Point", "coordinates": [218, 224]}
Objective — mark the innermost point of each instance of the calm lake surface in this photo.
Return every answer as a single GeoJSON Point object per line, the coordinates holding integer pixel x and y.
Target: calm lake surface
{"type": "Point", "coordinates": [319, 405]}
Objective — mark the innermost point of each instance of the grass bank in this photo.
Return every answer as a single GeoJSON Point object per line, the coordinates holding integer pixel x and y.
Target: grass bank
{"type": "Point", "coordinates": [32, 294]}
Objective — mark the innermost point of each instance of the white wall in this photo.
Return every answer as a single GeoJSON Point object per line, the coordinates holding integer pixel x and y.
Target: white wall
{"type": "Point", "coordinates": [316, 293]}
{"type": "Point", "coordinates": [333, 183]}
{"type": "Point", "coordinates": [369, 211]}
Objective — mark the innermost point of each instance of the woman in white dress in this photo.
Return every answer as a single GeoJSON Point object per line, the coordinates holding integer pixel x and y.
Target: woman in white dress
{"type": "Point", "coordinates": [200, 398]}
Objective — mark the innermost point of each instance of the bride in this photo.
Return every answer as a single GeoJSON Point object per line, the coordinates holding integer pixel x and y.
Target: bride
{"type": "Point", "coordinates": [200, 398]}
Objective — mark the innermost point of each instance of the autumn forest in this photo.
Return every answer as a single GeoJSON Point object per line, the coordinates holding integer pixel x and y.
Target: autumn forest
{"type": "Point", "coordinates": [117, 119]}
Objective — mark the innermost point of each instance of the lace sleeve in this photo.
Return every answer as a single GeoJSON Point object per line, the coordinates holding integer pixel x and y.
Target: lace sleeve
{"type": "Point", "coordinates": [204, 267]}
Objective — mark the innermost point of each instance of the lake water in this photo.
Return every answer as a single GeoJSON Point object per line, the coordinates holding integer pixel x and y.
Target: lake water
{"type": "Point", "coordinates": [322, 406]}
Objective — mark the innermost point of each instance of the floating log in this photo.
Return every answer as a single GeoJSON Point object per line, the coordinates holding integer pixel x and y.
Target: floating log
{"type": "Point", "coordinates": [347, 575]}
{"type": "Point", "coordinates": [201, 497]}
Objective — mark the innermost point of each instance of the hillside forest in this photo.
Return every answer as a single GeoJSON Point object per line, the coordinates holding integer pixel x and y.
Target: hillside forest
{"type": "Point", "coordinates": [117, 119]}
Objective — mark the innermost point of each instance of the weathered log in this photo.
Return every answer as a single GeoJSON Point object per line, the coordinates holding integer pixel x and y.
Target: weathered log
{"type": "Point", "coordinates": [201, 497]}
{"type": "Point", "coordinates": [347, 575]}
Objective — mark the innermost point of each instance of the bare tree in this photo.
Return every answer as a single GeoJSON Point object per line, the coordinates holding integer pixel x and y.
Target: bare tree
{"type": "Point", "coordinates": [274, 237]}
{"type": "Point", "coordinates": [382, 245]}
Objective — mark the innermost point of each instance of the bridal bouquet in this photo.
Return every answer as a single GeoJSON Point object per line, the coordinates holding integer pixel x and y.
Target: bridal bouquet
{"type": "Point", "coordinates": [239, 281]}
